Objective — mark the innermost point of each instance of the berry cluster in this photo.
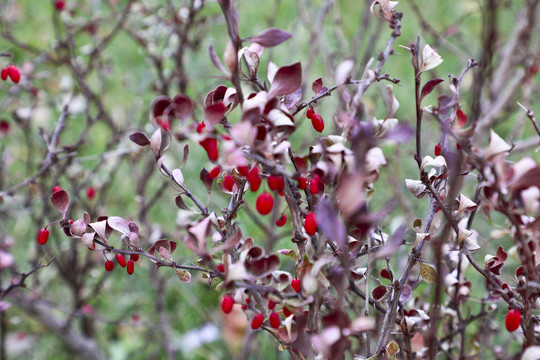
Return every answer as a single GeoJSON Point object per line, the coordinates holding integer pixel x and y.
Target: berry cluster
{"type": "Point", "coordinates": [12, 72]}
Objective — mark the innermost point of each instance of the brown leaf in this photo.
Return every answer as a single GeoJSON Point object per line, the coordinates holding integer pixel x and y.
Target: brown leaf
{"type": "Point", "coordinates": [428, 273]}
{"type": "Point", "coordinates": [140, 139]}
{"type": "Point", "coordinates": [183, 275]}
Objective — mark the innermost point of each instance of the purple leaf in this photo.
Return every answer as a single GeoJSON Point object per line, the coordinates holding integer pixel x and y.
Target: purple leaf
{"type": "Point", "coordinates": [60, 200]}
{"type": "Point", "coordinates": [429, 86]}
{"type": "Point", "coordinates": [400, 134]}
{"type": "Point", "coordinates": [119, 224]}
{"type": "Point", "coordinates": [393, 243]}
{"type": "Point", "coordinates": [139, 138]}
{"type": "Point", "coordinates": [159, 105]}
{"type": "Point", "coordinates": [270, 37]}
{"type": "Point", "coordinates": [330, 224]}
{"type": "Point", "coordinates": [184, 106]}
{"type": "Point", "coordinates": [216, 61]}
{"type": "Point", "coordinates": [287, 80]}
{"type": "Point", "coordinates": [290, 100]}
{"type": "Point", "coordinates": [316, 86]}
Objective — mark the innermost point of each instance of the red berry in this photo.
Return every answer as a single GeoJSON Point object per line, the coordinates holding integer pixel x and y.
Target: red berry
{"type": "Point", "coordinates": [243, 170]}
{"type": "Point", "coordinates": [310, 223]}
{"type": "Point", "coordinates": [302, 183]}
{"type": "Point", "coordinates": [513, 320]}
{"type": "Point", "coordinates": [14, 74]}
{"type": "Point", "coordinates": [271, 304]}
{"type": "Point", "coordinates": [90, 192]}
{"type": "Point", "coordinates": [200, 127]}
{"type": "Point", "coordinates": [533, 70]}
{"type": "Point", "coordinates": [121, 260]}
{"type": "Point", "coordinates": [43, 236]}
{"type": "Point", "coordinates": [130, 267]}
{"type": "Point", "coordinates": [437, 149]}
{"type": "Point", "coordinates": [227, 304]}
{"type": "Point", "coordinates": [109, 265]}
{"type": "Point", "coordinates": [56, 188]}
{"type": "Point", "coordinates": [275, 182]}
{"type": "Point", "coordinates": [134, 257]}
{"type": "Point", "coordinates": [257, 321]}
{"type": "Point", "coordinates": [228, 182]}
{"type": "Point", "coordinates": [221, 268]}
{"type": "Point", "coordinates": [210, 146]}
{"type": "Point", "coordinates": [274, 320]}
{"type": "Point", "coordinates": [214, 173]}
{"type": "Point", "coordinates": [314, 184]}
{"type": "Point", "coordinates": [265, 203]}
{"type": "Point", "coordinates": [317, 122]}
{"type": "Point", "coordinates": [4, 74]}
{"type": "Point", "coordinates": [59, 5]}
{"type": "Point", "coordinates": [282, 220]}
{"type": "Point", "coordinates": [296, 285]}
{"type": "Point", "coordinates": [286, 311]}
{"type": "Point", "coordinates": [309, 113]}
{"type": "Point", "coordinates": [254, 179]}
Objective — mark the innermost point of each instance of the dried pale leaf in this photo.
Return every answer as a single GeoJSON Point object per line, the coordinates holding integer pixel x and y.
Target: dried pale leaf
{"type": "Point", "coordinates": [430, 59]}
{"type": "Point", "coordinates": [420, 237]}
{"type": "Point", "coordinates": [178, 176]}
{"type": "Point", "coordinates": [88, 240]}
{"type": "Point", "coordinates": [270, 37]}
{"type": "Point", "coordinates": [100, 227]}
{"type": "Point", "coordinates": [230, 56]}
{"type": "Point", "coordinates": [437, 162]}
{"type": "Point", "coordinates": [279, 118]}
{"type": "Point", "coordinates": [392, 349]}
{"type": "Point", "coordinates": [78, 227]}
{"type": "Point", "coordinates": [185, 157]}
{"type": "Point", "coordinates": [496, 145]}
{"type": "Point", "coordinates": [362, 323]}
{"type": "Point", "coordinates": [119, 224]}
{"type": "Point", "coordinates": [288, 252]}
{"type": "Point", "coordinates": [428, 273]}
{"type": "Point", "coordinates": [415, 187]}
{"type": "Point", "coordinates": [344, 70]}
{"type": "Point", "coordinates": [465, 204]}
{"type": "Point", "coordinates": [531, 353]}
{"type": "Point", "coordinates": [60, 200]}
{"type": "Point", "coordinates": [184, 276]}
{"type": "Point", "coordinates": [155, 142]}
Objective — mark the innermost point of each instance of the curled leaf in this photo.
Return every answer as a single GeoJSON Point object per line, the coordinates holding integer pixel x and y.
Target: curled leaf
{"type": "Point", "coordinates": [286, 80]}
{"type": "Point", "coordinates": [428, 273]}
{"type": "Point", "coordinates": [270, 37]}
{"type": "Point", "coordinates": [430, 59]}
{"type": "Point", "coordinates": [183, 275]}
{"type": "Point", "coordinates": [60, 200]}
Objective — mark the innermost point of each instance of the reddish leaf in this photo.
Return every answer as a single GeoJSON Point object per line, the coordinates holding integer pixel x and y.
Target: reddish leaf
{"type": "Point", "coordinates": [160, 105]}
{"type": "Point", "coordinates": [60, 200]}
{"type": "Point", "coordinates": [184, 107]}
{"type": "Point", "coordinates": [271, 37]}
{"type": "Point", "coordinates": [287, 80]}
{"type": "Point", "coordinates": [391, 246]}
{"type": "Point", "coordinates": [216, 61]}
{"type": "Point", "coordinates": [429, 86]}
{"type": "Point", "coordinates": [379, 292]}
{"type": "Point", "coordinates": [119, 224]}
{"type": "Point", "coordinates": [316, 86]}
{"type": "Point", "coordinates": [140, 139]}
{"type": "Point", "coordinates": [461, 118]}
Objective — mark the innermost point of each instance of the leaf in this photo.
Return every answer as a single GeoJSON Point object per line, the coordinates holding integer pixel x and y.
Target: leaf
{"type": "Point", "coordinates": [163, 247]}
{"type": "Point", "coordinates": [496, 146]}
{"type": "Point", "coordinates": [183, 275]}
{"type": "Point", "coordinates": [330, 224]}
{"type": "Point", "coordinates": [290, 100]}
{"type": "Point", "coordinates": [270, 37]}
{"type": "Point", "coordinates": [392, 349]}
{"type": "Point", "coordinates": [100, 227]}
{"type": "Point", "coordinates": [430, 59]}
{"type": "Point", "coordinates": [159, 105]}
{"type": "Point", "coordinates": [429, 86]}
{"type": "Point", "coordinates": [316, 86]}
{"type": "Point", "coordinates": [286, 80]}
{"type": "Point", "coordinates": [415, 187]}
{"type": "Point", "coordinates": [119, 224]}
{"type": "Point", "coordinates": [428, 273]}
{"type": "Point", "coordinates": [461, 118]}
{"type": "Point", "coordinates": [344, 70]}
{"type": "Point", "coordinates": [155, 142]}
{"type": "Point", "coordinates": [139, 138]}
{"type": "Point", "coordinates": [184, 106]}
{"type": "Point", "coordinates": [185, 157]}
{"type": "Point", "coordinates": [217, 62]}
{"type": "Point", "coordinates": [392, 244]}
{"type": "Point", "coordinates": [178, 177]}
{"type": "Point", "coordinates": [180, 203]}
{"type": "Point", "coordinates": [60, 200]}
{"type": "Point", "coordinates": [88, 240]}
{"type": "Point", "coordinates": [379, 292]}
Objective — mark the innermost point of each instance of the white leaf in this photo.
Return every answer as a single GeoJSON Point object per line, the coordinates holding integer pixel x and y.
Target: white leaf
{"type": "Point", "coordinates": [430, 59]}
{"type": "Point", "coordinates": [415, 187]}
{"type": "Point", "coordinates": [438, 161]}
{"type": "Point", "coordinates": [496, 145]}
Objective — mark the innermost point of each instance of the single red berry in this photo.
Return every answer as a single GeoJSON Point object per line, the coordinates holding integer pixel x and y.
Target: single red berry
{"type": "Point", "coordinates": [254, 179]}
{"type": "Point", "coordinates": [310, 223]}
{"type": "Point", "coordinates": [130, 267]}
{"type": "Point", "coordinates": [533, 70]}
{"type": "Point", "coordinates": [309, 113]}
{"type": "Point", "coordinates": [90, 192]}
{"type": "Point", "coordinates": [221, 268]}
{"type": "Point", "coordinates": [302, 183]}
{"type": "Point", "coordinates": [437, 149]}
{"type": "Point", "coordinates": [228, 182]}
{"type": "Point", "coordinates": [275, 182]}
{"type": "Point", "coordinates": [296, 285]}
{"type": "Point", "coordinates": [286, 311]}
{"type": "Point", "coordinates": [314, 187]}
{"type": "Point", "coordinates": [513, 320]}
{"type": "Point", "coordinates": [317, 122]}
{"type": "Point", "coordinates": [282, 220]}
{"type": "Point", "coordinates": [4, 74]}
{"type": "Point", "coordinates": [271, 304]}
{"type": "Point", "coordinates": [274, 320]}
{"type": "Point", "coordinates": [210, 146]}
{"type": "Point", "coordinates": [14, 74]}
{"type": "Point", "coordinates": [134, 257]}
{"type": "Point", "coordinates": [43, 236]}
{"type": "Point", "coordinates": [200, 127]}
{"type": "Point", "coordinates": [385, 273]}
{"type": "Point", "coordinates": [265, 203]}
{"type": "Point", "coordinates": [56, 188]}
{"type": "Point", "coordinates": [214, 173]}
{"type": "Point", "coordinates": [458, 146]}
{"type": "Point", "coordinates": [109, 265]}
{"type": "Point", "coordinates": [257, 321]}
{"type": "Point", "coordinates": [227, 304]}
{"type": "Point", "coordinates": [59, 5]}
{"type": "Point", "coordinates": [121, 260]}
{"type": "Point", "coordinates": [4, 127]}
{"type": "Point", "coordinates": [243, 170]}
